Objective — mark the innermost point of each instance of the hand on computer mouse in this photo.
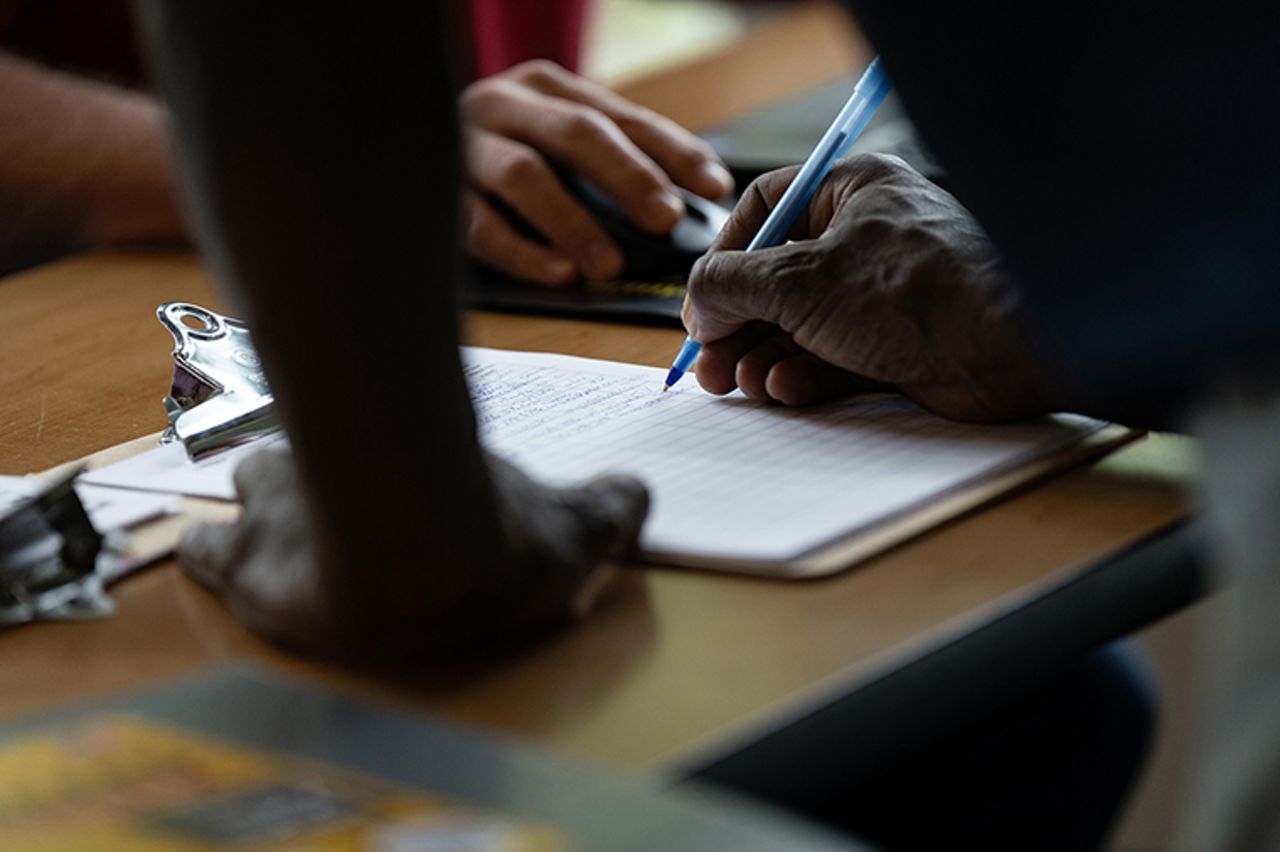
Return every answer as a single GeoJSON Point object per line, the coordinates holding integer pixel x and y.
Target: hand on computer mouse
{"type": "Point", "coordinates": [522, 124]}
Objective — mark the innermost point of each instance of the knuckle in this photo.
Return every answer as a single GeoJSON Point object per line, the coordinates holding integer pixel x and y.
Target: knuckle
{"type": "Point", "coordinates": [479, 95]}
{"type": "Point", "coordinates": [873, 163]}
{"type": "Point", "coordinates": [892, 162]}
{"type": "Point", "coordinates": [787, 292]}
{"type": "Point", "coordinates": [772, 184]}
{"type": "Point", "coordinates": [636, 180]}
{"type": "Point", "coordinates": [519, 166]}
{"type": "Point", "coordinates": [479, 226]}
{"type": "Point", "coordinates": [706, 273]}
{"type": "Point", "coordinates": [537, 72]}
{"type": "Point", "coordinates": [691, 158]}
{"type": "Point", "coordinates": [875, 229]}
{"type": "Point", "coordinates": [878, 168]}
{"type": "Point", "coordinates": [633, 122]}
{"type": "Point", "coordinates": [759, 186]}
{"type": "Point", "coordinates": [585, 127]}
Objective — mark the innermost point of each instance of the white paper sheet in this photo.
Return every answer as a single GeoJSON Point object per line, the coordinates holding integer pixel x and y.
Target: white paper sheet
{"type": "Point", "coordinates": [120, 509]}
{"type": "Point", "coordinates": [730, 478]}
{"type": "Point", "coordinates": [15, 490]}
{"type": "Point", "coordinates": [108, 508]}
{"type": "Point", "coordinates": [167, 469]}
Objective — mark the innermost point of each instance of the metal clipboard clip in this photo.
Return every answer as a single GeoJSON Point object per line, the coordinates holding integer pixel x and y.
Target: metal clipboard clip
{"type": "Point", "coordinates": [52, 560]}
{"type": "Point", "coordinates": [219, 396]}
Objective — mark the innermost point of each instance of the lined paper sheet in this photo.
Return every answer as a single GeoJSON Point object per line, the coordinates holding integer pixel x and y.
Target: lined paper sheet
{"type": "Point", "coordinates": [108, 508]}
{"type": "Point", "coordinates": [167, 469]}
{"type": "Point", "coordinates": [730, 479]}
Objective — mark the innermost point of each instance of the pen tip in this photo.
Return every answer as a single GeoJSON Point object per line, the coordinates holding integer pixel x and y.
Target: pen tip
{"type": "Point", "coordinates": [666, 388]}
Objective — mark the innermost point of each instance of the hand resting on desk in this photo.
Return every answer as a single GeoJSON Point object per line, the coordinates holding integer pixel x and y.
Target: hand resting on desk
{"type": "Point", "coordinates": [265, 568]}
{"type": "Point", "coordinates": [890, 283]}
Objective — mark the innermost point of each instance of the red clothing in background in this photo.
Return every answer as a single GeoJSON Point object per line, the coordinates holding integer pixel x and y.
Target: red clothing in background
{"type": "Point", "coordinates": [506, 32]}
{"type": "Point", "coordinates": [97, 37]}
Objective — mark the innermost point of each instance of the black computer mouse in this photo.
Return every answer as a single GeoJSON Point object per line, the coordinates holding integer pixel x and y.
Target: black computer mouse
{"type": "Point", "coordinates": [649, 256]}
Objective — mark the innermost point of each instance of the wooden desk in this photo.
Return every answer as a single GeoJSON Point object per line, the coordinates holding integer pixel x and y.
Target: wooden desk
{"type": "Point", "coordinates": [673, 661]}
{"type": "Point", "coordinates": [675, 665]}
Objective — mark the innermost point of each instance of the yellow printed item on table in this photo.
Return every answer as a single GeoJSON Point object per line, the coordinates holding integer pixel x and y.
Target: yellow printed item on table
{"type": "Point", "coordinates": [123, 783]}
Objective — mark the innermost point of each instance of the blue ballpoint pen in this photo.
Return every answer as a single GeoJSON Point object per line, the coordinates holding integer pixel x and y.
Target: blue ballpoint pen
{"type": "Point", "coordinates": [867, 96]}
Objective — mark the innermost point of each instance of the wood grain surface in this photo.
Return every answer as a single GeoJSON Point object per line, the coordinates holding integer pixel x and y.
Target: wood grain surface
{"type": "Point", "coordinates": [672, 660]}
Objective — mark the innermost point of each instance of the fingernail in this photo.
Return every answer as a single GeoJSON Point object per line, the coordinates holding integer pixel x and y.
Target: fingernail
{"type": "Point", "coordinates": [719, 175]}
{"type": "Point", "coordinates": [666, 209]}
{"type": "Point", "coordinates": [690, 320]}
{"type": "Point", "coordinates": [561, 270]}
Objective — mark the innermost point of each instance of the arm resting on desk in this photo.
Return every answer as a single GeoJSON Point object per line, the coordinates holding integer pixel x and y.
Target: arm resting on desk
{"type": "Point", "coordinates": [322, 152]}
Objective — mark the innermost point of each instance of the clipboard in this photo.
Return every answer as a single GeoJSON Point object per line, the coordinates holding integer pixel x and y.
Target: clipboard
{"type": "Point", "coordinates": [841, 543]}
{"type": "Point", "coordinates": [848, 552]}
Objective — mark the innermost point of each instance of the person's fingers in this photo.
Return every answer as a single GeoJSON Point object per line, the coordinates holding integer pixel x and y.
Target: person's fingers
{"type": "Point", "coordinates": [717, 367]}
{"type": "Point", "coordinates": [715, 306]}
{"type": "Point", "coordinates": [255, 475]}
{"type": "Point", "coordinates": [586, 140]}
{"type": "Point", "coordinates": [766, 191]}
{"type": "Point", "coordinates": [264, 478]}
{"type": "Point", "coordinates": [769, 366]}
{"type": "Point", "coordinates": [728, 289]}
{"type": "Point", "coordinates": [754, 207]}
{"type": "Point", "coordinates": [521, 178]}
{"type": "Point", "coordinates": [208, 553]}
{"type": "Point", "coordinates": [494, 241]}
{"type": "Point", "coordinates": [804, 379]}
{"type": "Point", "coordinates": [690, 161]}
{"type": "Point", "coordinates": [612, 510]}
{"type": "Point", "coordinates": [753, 367]}
{"type": "Point", "coordinates": [848, 184]}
